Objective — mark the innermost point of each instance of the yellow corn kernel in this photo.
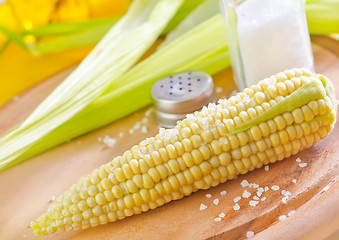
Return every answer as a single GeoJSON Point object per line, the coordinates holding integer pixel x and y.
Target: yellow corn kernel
{"type": "Point", "coordinates": [241, 134]}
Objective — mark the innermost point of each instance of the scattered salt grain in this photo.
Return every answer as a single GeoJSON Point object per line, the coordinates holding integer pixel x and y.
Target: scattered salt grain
{"type": "Point", "coordinates": [137, 125]}
{"type": "Point", "coordinates": [203, 207]}
{"type": "Point", "coordinates": [236, 199]}
{"type": "Point", "coordinates": [223, 193]}
{"type": "Point", "coordinates": [236, 207]}
{"type": "Point", "coordinates": [267, 168]}
{"type": "Point", "coordinates": [298, 160]}
{"type": "Point", "coordinates": [284, 199]}
{"type": "Point", "coordinates": [144, 129]}
{"type": "Point", "coordinates": [216, 201]}
{"type": "Point", "coordinates": [121, 134]}
{"type": "Point", "coordinates": [255, 198]}
{"type": "Point", "coordinates": [253, 203]}
{"type": "Point", "coordinates": [208, 195]}
{"type": "Point", "coordinates": [217, 219]}
{"type": "Point", "coordinates": [131, 131]}
{"type": "Point", "coordinates": [110, 175]}
{"type": "Point", "coordinates": [108, 141]}
{"type": "Point", "coordinates": [282, 217]}
{"type": "Point", "coordinates": [249, 234]}
{"type": "Point", "coordinates": [222, 215]}
{"type": "Point", "coordinates": [291, 213]}
{"type": "Point", "coordinates": [246, 194]}
{"type": "Point", "coordinates": [294, 180]}
{"type": "Point", "coordinates": [263, 199]}
{"type": "Point", "coordinates": [53, 198]}
{"type": "Point", "coordinates": [218, 89]}
{"type": "Point", "coordinates": [148, 112]}
{"type": "Point", "coordinates": [144, 120]}
{"type": "Point", "coordinates": [275, 188]}
{"type": "Point", "coordinates": [302, 165]}
{"type": "Point", "coordinates": [244, 183]}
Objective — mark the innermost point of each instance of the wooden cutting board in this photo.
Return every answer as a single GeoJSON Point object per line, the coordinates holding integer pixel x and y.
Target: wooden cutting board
{"type": "Point", "coordinates": [28, 189]}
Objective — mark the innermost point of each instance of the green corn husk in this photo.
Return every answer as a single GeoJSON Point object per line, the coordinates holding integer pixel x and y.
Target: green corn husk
{"type": "Point", "coordinates": [322, 16]}
{"type": "Point", "coordinates": [132, 92]}
{"type": "Point", "coordinates": [116, 52]}
{"type": "Point", "coordinates": [184, 49]}
{"type": "Point", "coordinates": [63, 28]}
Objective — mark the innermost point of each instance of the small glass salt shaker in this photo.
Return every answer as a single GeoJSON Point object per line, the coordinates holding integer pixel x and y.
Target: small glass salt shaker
{"type": "Point", "coordinates": [266, 37]}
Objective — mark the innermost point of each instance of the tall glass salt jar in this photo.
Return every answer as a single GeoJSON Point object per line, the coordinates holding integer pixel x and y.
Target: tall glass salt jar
{"type": "Point", "coordinates": [266, 37]}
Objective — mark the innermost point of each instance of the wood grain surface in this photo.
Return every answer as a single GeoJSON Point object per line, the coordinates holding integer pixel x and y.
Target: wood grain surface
{"type": "Point", "coordinates": [27, 189]}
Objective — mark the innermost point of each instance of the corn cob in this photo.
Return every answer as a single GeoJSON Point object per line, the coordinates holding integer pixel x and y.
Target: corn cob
{"type": "Point", "coordinates": [270, 121]}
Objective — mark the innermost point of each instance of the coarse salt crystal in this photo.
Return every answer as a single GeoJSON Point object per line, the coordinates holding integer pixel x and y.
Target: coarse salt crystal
{"type": "Point", "coordinates": [267, 168]}
{"type": "Point", "coordinates": [203, 207]}
{"type": "Point", "coordinates": [244, 183]}
{"type": "Point", "coordinates": [218, 89]}
{"type": "Point", "coordinates": [110, 175]}
{"type": "Point", "coordinates": [255, 185]}
{"type": "Point", "coordinates": [223, 193]}
{"type": "Point", "coordinates": [222, 215]}
{"type": "Point", "coordinates": [148, 112]}
{"type": "Point", "coordinates": [298, 160]}
{"type": "Point", "coordinates": [282, 217]}
{"type": "Point", "coordinates": [275, 188]}
{"type": "Point", "coordinates": [236, 199]}
{"type": "Point", "coordinates": [217, 219]}
{"type": "Point", "coordinates": [263, 199]}
{"type": "Point", "coordinates": [255, 198]}
{"type": "Point", "coordinates": [208, 195]}
{"type": "Point", "coordinates": [253, 203]}
{"type": "Point", "coordinates": [302, 165]}
{"type": "Point", "coordinates": [108, 141]}
{"type": "Point", "coordinates": [284, 199]}
{"type": "Point", "coordinates": [259, 193]}
{"type": "Point", "coordinates": [291, 213]}
{"type": "Point", "coordinates": [216, 201]}
{"type": "Point", "coordinates": [287, 193]}
{"type": "Point", "coordinates": [294, 180]}
{"type": "Point", "coordinates": [266, 189]}
{"type": "Point", "coordinates": [246, 194]}
{"type": "Point", "coordinates": [249, 234]}
{"type": "Point", "coordinates": [144, 129]}
{"type": "Point", "coordinates": [53, 198]}
{"type": "Point", "coordinates": [236, 207]}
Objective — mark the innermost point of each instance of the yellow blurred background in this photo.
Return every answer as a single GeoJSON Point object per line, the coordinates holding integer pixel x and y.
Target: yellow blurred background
{"type": "Point", "coordinates": [20, 69]}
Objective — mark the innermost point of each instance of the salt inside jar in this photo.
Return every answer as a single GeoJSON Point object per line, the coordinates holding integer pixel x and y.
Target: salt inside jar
{"type": "Point", "coordinates": [266, 37]}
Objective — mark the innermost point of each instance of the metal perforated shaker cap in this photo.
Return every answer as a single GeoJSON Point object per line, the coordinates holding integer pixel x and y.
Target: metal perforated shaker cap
{"type": "Point", "coordinates": [179, 94]}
